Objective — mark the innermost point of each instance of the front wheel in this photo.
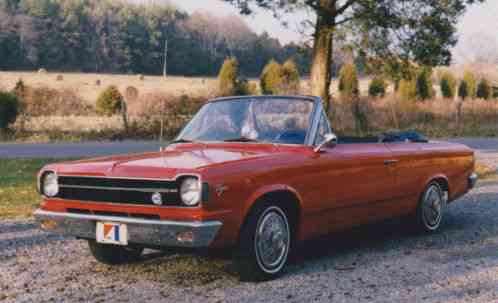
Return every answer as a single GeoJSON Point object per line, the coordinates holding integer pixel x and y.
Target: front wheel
{"type": "Point", "coordinates": [114, 254]}
{"type": "Point", "coordinates": [264, 244]}
{"type": "Point", "coordinates": [430, 209]}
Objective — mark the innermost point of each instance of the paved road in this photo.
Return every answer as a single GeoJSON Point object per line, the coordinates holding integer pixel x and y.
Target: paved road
{"type": "Point", "coordinates": [90, 149]}
{"type": "Point", "coordinates": [74, 149]}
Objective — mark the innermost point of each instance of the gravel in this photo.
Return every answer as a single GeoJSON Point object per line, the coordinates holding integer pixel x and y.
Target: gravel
{"type": "Point", "coordinates": [385, 262]}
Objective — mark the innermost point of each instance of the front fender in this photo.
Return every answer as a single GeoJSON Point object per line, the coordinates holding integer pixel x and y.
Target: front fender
{"type": "Point", "coordinates": [260, 192]}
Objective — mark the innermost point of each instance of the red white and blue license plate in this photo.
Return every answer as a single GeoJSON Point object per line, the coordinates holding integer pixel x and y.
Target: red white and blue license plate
{"type": "Point", "coordinates": [112, 233]}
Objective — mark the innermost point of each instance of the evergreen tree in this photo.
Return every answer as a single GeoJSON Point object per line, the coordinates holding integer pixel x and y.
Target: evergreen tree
{"type": "Point", "coordinates": [348, 80]}
{"type": "Point", "coordinates": [448, 85]}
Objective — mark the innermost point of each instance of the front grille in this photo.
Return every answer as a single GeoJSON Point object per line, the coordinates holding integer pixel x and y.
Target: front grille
{"type": "Point", "coordinates": [123, 191]}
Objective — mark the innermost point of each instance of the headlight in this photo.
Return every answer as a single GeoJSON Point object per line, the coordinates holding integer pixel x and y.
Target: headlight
{"type": "Point", "coordinates": [49, 184]}
{"type": "Point", "coordinates": [190, 191]}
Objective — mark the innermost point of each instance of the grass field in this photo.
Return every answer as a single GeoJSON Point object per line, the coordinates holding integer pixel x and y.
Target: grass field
{"type": "Point", "coordinates": [18, 196]}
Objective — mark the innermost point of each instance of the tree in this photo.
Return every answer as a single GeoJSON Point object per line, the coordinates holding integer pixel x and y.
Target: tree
{"type": "Point", "coordinates": [8, 109]}
{"type": "Point", "coordinates": [271, 78]}
{"type": "Point", "coordinates": [423, 84]}
{"type": "Point", "coordinates": [110, 102]}
{"type": "Point", "coordinates": [377, 87]}
{"type": "Point", "coordinates": [227, 78]}
{"type": "Point", "coordinates": [463, 89]}
{"type": "Point", "coordinates": [448, 85]}
{"type": "Point", "coordinates": [407, 89]}
{"type": "Point", "coordinates": [422, 31]}
{"type": "Point", "coordinates": [290, 78]}
{"type": "Point", "coordinates": [484, 89]}
{"type": "Point", "coordinates": [348, 80]}
{"type": "Point", "coordinates": [470, 82]}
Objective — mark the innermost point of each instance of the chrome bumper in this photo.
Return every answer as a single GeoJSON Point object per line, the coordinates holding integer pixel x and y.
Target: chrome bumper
{"type": "Point", "coordinates": [140, 231]}
{"type": "Point", "coordinates": [472, 181]}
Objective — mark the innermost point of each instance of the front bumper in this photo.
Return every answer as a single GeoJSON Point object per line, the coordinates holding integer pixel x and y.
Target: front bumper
{"type": "Point", "coordinates": [140, 231]}
{"type": "Point", "coordinates": [472, 181]}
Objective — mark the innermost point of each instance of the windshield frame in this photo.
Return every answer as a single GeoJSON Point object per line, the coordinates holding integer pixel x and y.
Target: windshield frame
{"type": "Point", "coordinates": [312, 125]}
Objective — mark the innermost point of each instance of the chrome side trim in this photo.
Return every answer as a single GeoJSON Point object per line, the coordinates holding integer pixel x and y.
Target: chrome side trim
{"type": "Point", "coordinates": [140, 231]}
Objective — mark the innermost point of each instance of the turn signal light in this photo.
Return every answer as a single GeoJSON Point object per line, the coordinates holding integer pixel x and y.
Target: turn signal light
{"type": "Point", "coordinates": [48, 224]}
{"type": "Point", "coordinates": [186, 236]}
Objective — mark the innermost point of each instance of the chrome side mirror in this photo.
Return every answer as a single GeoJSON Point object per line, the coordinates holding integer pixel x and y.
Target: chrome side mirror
{"type": "Point", "coordinates": [329, 141]}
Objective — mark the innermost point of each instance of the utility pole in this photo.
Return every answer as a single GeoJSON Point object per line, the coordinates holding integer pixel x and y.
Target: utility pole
{"type": "Point", "coordinates": [165, 66]}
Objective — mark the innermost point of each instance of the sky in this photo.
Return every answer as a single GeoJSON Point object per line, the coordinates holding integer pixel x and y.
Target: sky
{"type": "Point", "coordinates": [480, 20]}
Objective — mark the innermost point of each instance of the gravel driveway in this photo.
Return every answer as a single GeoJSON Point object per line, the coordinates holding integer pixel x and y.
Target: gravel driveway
{"type": "Point", "coordinates": [381, 263]}
{"type": "Point", "coordinates": [384, 262]}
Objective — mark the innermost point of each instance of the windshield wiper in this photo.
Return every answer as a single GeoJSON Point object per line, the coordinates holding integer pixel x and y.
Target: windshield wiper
{"type": "Point", "coordinates": [240, 139]}
{"type": "Point", "coordinates": [183, 141]}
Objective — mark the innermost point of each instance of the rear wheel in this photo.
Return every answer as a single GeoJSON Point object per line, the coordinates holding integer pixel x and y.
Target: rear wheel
{"type": "Point", "coordinates": [264, 244]}
{"type": "Point", "coordinates": [114, 254]}
{"type": "Point", "coordinates": [430, 209]}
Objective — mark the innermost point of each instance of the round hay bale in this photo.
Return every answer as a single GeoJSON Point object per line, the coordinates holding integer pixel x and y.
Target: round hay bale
{"type": "Point", "coordinates": [131, 94]}
{"type": "Point", "coordinates": [141, 77]}
{"type": "Point", "coordinates": [60, 77]}
{"type": "Point", "coordinates": [42, 71]}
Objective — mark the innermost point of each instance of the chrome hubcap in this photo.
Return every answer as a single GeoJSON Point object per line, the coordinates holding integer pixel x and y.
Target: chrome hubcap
{"type": "Point", "coordinates": [433, 204]}
{"type": "Point", "coordinates": [272, 239]}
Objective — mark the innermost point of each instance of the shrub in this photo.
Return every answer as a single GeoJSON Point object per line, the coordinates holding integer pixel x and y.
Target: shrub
{"type": "Point", "coordinates": [423, 84]}
{"type": "Point", "coordinates": [377, 87]}
{"type": "Point", "coordinates": [227, 78]}
{"type": "Point", "coordinates": [271, 78]}
{"type": "Point", "coordinates": [243, 88]}
{"type": "Point", "coordinates": [60, 77]}
{"type": "Point", "coordinates": [448, 85]}
{"type": "Point", "coordinates": [407, 89]}
{"type": "Point", "coordinates": [463, 89]}
{"type": "Point", "coordinates": [348, 80]}
{"type": "Point", "coordinates": [109, 101]}
{"type": "Point", "coordinates": [44, 101]}
{"type": "Point", "coordinates": [8, 109]}
{"type": "Point", "coordinates": [484, 89]}
{"type": "Point", "coordinates": [20, 89]}
{"type": "Point", "coordinates": [98, 82]}
{"type": "Point", "coordinates": [469, 78]}
{"type": "Point", "coordinates": [290, 78]}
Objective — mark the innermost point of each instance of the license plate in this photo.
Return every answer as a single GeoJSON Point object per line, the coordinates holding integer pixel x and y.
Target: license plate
{"type": "Point", "coordinates": [112, 233]}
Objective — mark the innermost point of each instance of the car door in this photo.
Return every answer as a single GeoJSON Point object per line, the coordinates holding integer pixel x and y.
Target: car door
{"type": "Point", "coordinates": [359, 182]}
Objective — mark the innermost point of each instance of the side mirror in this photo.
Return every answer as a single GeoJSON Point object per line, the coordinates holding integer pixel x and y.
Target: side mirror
{"type": "Point", "coordinates": [329, 141]}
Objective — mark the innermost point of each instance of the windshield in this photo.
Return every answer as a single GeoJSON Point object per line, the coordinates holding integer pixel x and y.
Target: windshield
{"type": "Point", "coordinates": [271, 120]}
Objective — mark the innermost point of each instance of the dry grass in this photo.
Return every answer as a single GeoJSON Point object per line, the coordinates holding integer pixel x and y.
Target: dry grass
{"type": "Point", "coordinates": [484, 171]}
{"type": "Point", "coordinates": [85, 84]}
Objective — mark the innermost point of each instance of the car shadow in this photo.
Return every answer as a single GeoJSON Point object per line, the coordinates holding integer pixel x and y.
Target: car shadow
{"type": "Point", "coordinates": [463, 226]}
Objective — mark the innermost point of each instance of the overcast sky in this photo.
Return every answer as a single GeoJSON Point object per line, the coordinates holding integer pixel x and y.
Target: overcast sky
{"type": "Point", "coordinates": [480, 19]}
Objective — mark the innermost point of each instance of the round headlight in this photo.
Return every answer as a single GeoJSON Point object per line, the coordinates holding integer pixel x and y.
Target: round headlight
{"type": "Point", "coordinates": [50, 185]}
{"type": "Point", "coordinates": [190, 191]}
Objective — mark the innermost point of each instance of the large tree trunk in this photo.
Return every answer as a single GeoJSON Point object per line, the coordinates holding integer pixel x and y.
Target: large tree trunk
{"type": "Point", "coordinates": [321, 75]}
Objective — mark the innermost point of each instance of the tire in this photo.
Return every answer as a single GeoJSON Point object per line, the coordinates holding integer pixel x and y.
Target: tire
{"type": "Point", "coordinates": [266, 230]}
{"type": "Point", "coordinates": [430, 209]}
{"type": "Point", "coordinates": [114, 254]}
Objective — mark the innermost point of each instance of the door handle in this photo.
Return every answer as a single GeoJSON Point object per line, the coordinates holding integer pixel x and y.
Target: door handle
{"type": "Point", "coordinates": [390, 162]}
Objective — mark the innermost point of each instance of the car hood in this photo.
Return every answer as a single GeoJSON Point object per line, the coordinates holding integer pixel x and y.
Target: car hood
{"type": "Point", "coordinates": [171, 161]}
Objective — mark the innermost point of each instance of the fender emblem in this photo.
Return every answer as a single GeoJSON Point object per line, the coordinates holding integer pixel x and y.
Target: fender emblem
{"type": "Point", "coordinates": [220, 189]}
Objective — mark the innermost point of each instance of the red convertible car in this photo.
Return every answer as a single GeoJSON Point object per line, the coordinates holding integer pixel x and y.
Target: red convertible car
{"type": "Point", "coordinates": [255, 175]}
